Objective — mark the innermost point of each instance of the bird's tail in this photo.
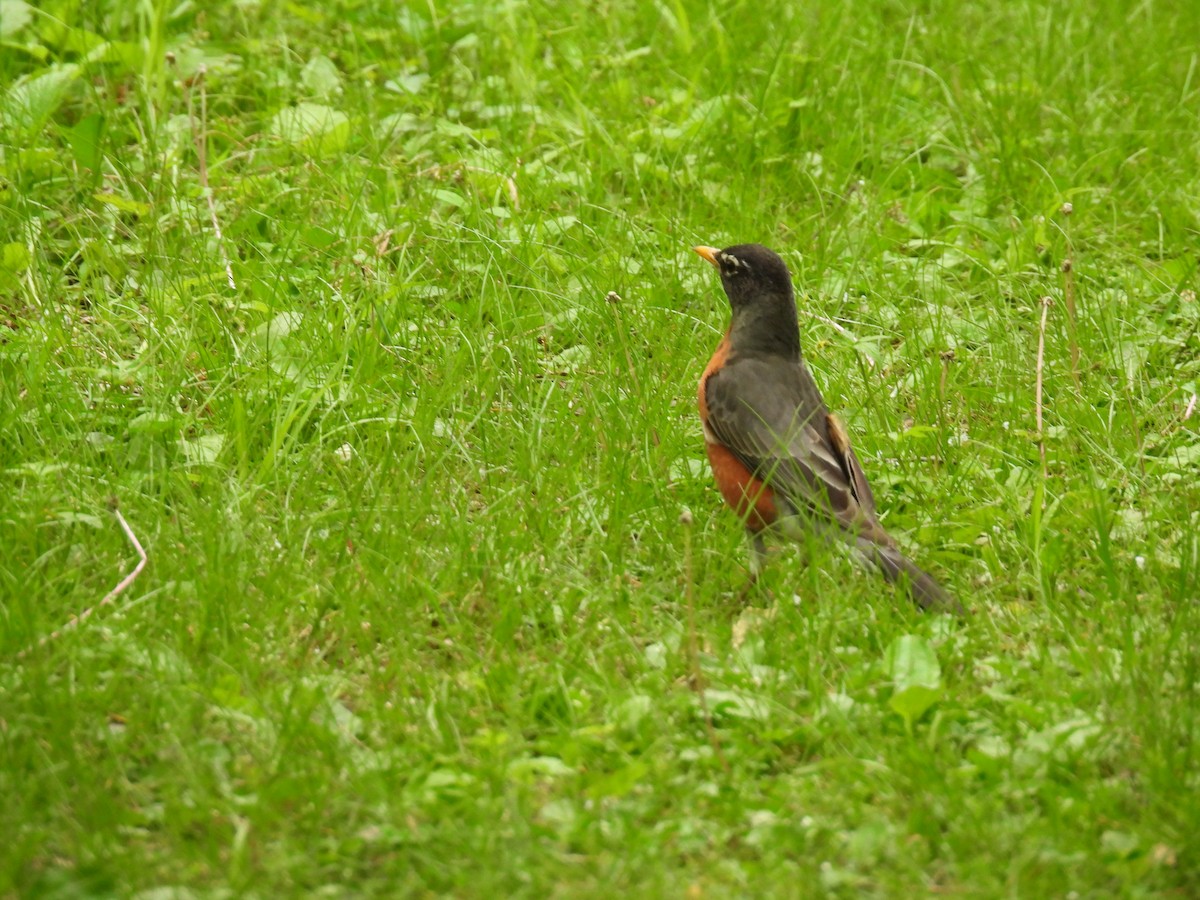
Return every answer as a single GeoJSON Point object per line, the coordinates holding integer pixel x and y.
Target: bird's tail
{"type": "Point", "coordinates": [924, 589]}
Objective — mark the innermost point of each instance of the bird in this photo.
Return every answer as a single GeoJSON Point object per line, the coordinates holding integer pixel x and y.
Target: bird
{"type": "Point", "coordinates": [780, 459]}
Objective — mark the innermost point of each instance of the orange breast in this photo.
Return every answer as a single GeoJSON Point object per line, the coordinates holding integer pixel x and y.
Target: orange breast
{"type": "Point", "coordinates": [746, 495]}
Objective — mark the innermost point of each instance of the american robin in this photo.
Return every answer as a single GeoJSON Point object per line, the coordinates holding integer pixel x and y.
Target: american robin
{"type": "Point", "coordinates": [781, 460]}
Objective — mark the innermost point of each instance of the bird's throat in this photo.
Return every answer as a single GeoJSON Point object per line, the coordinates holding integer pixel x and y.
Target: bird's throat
{"type": "Point", "coordinates": [767, 328]}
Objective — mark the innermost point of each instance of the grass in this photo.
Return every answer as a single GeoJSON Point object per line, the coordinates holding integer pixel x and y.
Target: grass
{"type": "Point", "coordinates": [422, 614]}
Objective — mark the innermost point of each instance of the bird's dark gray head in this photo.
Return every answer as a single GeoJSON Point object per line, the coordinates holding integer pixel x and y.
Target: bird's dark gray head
{"type": "Point", "coordinates": [759, 288]}
{"type": "Point", "coordinates": [750, 273]}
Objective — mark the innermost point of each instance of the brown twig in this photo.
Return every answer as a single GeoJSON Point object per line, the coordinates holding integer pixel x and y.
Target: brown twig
{"type": "Point", "coordinates": [200, 139]}
{"type": "Point", "coordinates": [947, 357]}
{"type": "Point", "coordinates": [1041, 357]}
{"type": "Point", "coordinates": [111, 595]}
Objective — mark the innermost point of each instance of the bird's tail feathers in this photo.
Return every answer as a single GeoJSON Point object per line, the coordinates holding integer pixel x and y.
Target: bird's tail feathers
{"type": "Point", "coordinates": [897, 567]}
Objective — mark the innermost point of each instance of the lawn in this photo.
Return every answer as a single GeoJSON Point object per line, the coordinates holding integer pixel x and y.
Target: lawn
{"type": "Point", "coordinates": [379, 327]}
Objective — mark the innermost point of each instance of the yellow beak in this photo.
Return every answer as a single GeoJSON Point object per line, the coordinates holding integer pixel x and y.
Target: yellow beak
{"type": "Point", "coordinates": [709, 253]}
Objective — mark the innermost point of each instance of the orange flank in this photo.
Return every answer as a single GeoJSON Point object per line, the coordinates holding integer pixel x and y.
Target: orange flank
{"type": "Point", "coordinates": [745, 494]}
{"type": "Point", "coordinates": [718, 360]}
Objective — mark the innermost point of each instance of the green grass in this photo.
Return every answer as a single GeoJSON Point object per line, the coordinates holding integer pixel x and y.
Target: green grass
{"type": "Point", "coordinates": [420, 609]}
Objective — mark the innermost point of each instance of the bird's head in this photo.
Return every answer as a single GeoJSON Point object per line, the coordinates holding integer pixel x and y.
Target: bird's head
{"type": "Point", "coordinates": [750, 274]}
{"type": "Point", "coordinates": [759, 288]}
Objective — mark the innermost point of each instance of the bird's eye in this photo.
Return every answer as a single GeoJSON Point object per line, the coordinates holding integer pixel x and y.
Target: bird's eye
{"type": "Point", "coordinates": [731, 265]}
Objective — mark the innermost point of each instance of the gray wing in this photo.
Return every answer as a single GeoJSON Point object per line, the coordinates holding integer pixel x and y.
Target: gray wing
{"type": "Point", "coordinates": [771, 416]}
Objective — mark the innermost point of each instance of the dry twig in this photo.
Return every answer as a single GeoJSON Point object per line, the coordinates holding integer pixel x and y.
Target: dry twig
{"type": "Point", "coordinates": [1041, 357]}
{"type": "Point", "coordinates": [111, 595]}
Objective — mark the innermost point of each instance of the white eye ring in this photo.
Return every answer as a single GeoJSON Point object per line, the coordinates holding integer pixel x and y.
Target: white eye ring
{"type": "Point", "coordinates": [728, 259]}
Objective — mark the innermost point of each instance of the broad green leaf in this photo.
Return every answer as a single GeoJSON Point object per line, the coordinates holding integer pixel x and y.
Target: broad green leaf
{"type": "Point", "coordinates": [559, 225]}
{"type": "Point", "coordinates": [321, 76]}
{"type": "Point", "coordinates": [990, 753]}
{"type": "Point", "coordinates": [407, 84]}
{"type": "Point", "coordinates": [1067, 737]}
{"type": "Point", "coordinates": [910, 661]}
{"type": "Point", "coordinates": [700, 116]}
{"type": "Point", "coordinates": [559, 813]}
{"type": "Point", "coordinates": [87, 44]}
{"type": "Point", "coordinates": [656, 655]}
{"type": "Point", "coordinates": [630, 713]}
{"type": "Point", "coordinates": [737, 705]}
{"type": "Point", "coordinates": [124, 204]}
{"type": "Point", "coordinates": [620, 782]}
{"type": "Point", "coordinates": [202, 450]}
{"type": "Point", "coordinates": [14, 15]}
{"type": "Point", "coordinates": [39, 469]}
{"type": "Point", "coordinates": [14, 258]}
{"type": "Point", "coordinates": [316, 236]}
{"type": "Point", "coordinates": [534, 766]}
{"type": "Point", "coordinates": [84, 138]}
{"type": "Point", "coordinates": [78, 518]}
{"type": "Point", "coordinates": [312, 127]}
{"type": "Point", "coordinates": [1180, 459]}
{"type": "Point", "coordinates": [1119, 844]}
{"type": "Point", "coordinates": [912, 702]}
{"type": "Point", "coordinates": [916, 677]}
{"type": "Point", "coordinates": [151, 423]}
{"type": "Point", "coordinates": [32, 101]}
{"type": "Point", "coordinates": [570, 360]}
{"type": "Point", "coordinates": [279, 327]}
{"type": "Point", "coordinates": [401, 123]}
{"type": "Point", "coordinates": [688, 468]}
{"type": "Point", "coordinates": [35, 162]}
{"type": "Point", "coordinates": [452, 197]}
{"type": "Point", "coordinates": [446, 782]}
